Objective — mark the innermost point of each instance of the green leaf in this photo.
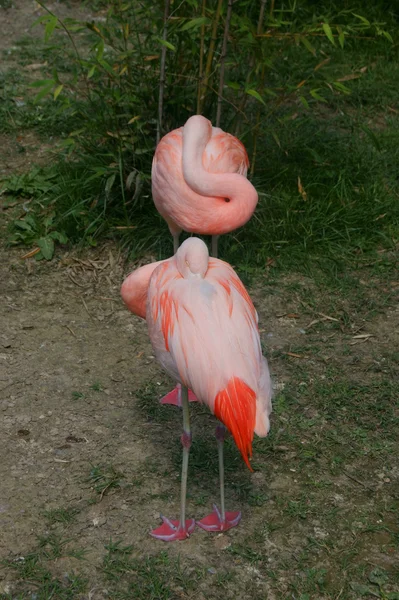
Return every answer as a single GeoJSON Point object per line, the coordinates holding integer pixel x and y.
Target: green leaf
{"type": "Point", "coordinates": [378, 576]}
{"type": "Point", "coordinates": [194, 23]}
{"type": "Point", "coordinates": [316, 95]}
{"type": "Point", "coordinates": [46, 245]}
{"type": "Point", "coordinates": [58, 91]}
{"type": "Point", "coordinates": [109, 183]}
{"type": "Point", "coordinates": [51, 25]}
{"type": "Point", "coordinates": [341, 39]}
{"type": "Point", "coordinates": [363, 590]}
{"type": "Point", "coordinates": [59, 236]}
{"type": "Point", "coordinates": [328, 32]}
{"type": "Point", "coordinates": [100, 50]}
{"type": "Point", "coordinates": [166, 44]}
{"type": "Point", "coordinates": [304, 40]}
{"type": "Point", "coordinates": [341, 87]}
{"type": "Point", "coordinates": [91, 72]}
{"type": "Point", "coordinates": [23, 225]}
{"type": "Point", "coordinates": [44, 91]}
{"type": "Point", "coordinates": [387, 36]}
{"type": "Point", "coordinates": [393, 596]}
{"type": "Point", "coordinates": [256, 95]}
{"type": "Point", "coordinates": [42, 83]}
{"type": "Point", "coordinates": [233, 85]}
{"type": "Point", "coordinates": [304, 101]}
{"type": "Point", "coordinates": [370, 134]}
{"type": "Point", "coordinates": [107, 67]}
{"type": "Point", "coordinates": [42, 19]}
{"type": "Point", "coordinates": [365, 21]}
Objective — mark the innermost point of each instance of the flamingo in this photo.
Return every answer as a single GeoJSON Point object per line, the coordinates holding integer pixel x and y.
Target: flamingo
{"type": "Point", "coordinates": [204, 331]}
{"type": "Point", "coordinates": [199, 185]}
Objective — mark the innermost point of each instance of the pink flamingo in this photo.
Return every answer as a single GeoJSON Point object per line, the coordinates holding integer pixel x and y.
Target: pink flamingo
{"type": "Point", "coordinates": [199, 181]}
{"type": "Point", "coordinates": [203, 328]}
{"type": "Point", "coordinates": [199, 185]}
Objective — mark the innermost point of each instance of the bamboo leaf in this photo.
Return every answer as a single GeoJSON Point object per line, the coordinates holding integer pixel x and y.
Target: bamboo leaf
{"type": "Point", "coordinates": [256, 95]}
{"type": "Point", "coordinates": [341, 39]}
{"type": "Point", "coordinates": [304, 101]}
{"type": "Point", "coordinates": [387, 36]}
{"type": "Point", "coordinates": [43, 92]}
{"type": "Point", "coordinates": [194, 23]}
{"type": "Point", "coordinates": [50, 26]}
{"type": "Point", "coordinates": [109, 183]}
{"type": "Point", "coordinates": [304, 40]}
{"type": "Point", "coordinates": [371, 135]}
{"type": "Point", "coordinates": [100, 50]}
{"type": "Point", "coordinates": [58, 91]}
{"type": "Point", "coordinates": [42, 83]}
{"type": "Point", "coordinates": [315, 94]}
{"type": "Point", "coordinates": [166, 44]}
{"type": "Point", "coordinates": [328, 32]}
{"type": "Point", "coordinates": [362, 19]}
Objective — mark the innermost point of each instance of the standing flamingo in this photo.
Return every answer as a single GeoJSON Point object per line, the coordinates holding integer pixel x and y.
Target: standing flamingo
{"type": "Point", "coordinates": [199, 181]}
{"type": "Point", "coordinates": [203, 328]}
{"type": "Point", "coordinates": [199, 185]}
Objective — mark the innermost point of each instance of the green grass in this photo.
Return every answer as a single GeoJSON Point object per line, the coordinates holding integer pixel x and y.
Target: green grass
{"type": "Point", "coordinates": [343, 149]}
{"type": "Point", "coordinates": [104, 478]}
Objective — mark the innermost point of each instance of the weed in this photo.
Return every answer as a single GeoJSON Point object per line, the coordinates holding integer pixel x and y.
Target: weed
{"type": "Point", "coordinates": [65, 516]}
{"type": "Point", "coordinates": [154, 576]}
{"type": "Point", "coordinates": [104, 478]}
{"type": "Point", "coordinates": [326, 132]}
{"type": "Point", "coordinates": [96, 387]}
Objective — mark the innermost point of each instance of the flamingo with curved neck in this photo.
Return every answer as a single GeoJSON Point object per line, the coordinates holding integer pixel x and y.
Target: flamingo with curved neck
{"type": "Point", "coordinates": [199, 181]}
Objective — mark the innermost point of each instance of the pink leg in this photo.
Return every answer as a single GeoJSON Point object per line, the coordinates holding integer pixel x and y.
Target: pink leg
{"type": "Point", "coordinates": [171, 529]}
{"type": "Point", "coordinates": [220, 520]}
{"type": "Point", "coordinates": [174, 397]}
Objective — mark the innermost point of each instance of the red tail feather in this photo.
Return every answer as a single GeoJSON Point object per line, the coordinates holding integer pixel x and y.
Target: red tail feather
{"type": "Point", "coordinates": [235, 406]}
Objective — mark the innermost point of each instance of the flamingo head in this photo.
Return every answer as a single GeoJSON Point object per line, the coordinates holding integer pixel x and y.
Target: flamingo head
{"type": "Point", "coordinates": [192, 258]}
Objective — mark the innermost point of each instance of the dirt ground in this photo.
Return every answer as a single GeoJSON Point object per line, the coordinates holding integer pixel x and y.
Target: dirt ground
{"type": "Point", "coordinates": [81, 430]}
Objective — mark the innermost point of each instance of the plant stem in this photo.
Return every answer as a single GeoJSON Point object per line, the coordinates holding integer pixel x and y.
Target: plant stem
{"type": "Point", "coordinates": [261, 15]}
{"type": "Point", "coordinates": [210, 53]}
{"type": "Point", "coordinates": [201, 64]}
{"type": "Point", "coordinates": [222, 61]}
{"type": "Point", "coordinates": [259, 28]}
{"type": "Point", "coordinates": [162, 75]}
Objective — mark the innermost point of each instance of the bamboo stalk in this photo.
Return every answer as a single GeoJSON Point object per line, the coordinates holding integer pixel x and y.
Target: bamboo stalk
{"type": "Point", "coordinates": [211, 51]}
{"type": "Point", "coordinates": [259, 28]}
{"type": "Point", "coordinates": [222, 61]}
{"type": "Point", "coordinates": [162, 74]}
{"type": "Point", "coordinates": [201, 64]}
{"type": "Point", "coordinates": [261, 15]}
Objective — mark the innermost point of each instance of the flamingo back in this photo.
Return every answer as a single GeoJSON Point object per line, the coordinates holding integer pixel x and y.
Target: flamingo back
{"type": "Point", "coordinates": [204, 333]}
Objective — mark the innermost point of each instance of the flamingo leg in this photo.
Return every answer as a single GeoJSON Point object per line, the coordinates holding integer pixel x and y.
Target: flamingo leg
{"type": "Point", "coordinates": [214, 246]}
{"type": "Point", "coordinates": [172, 530]}
{"type": "Point", "coordinates": [220, 520]}
{"type": "Point", "coordinates": [175, 242]}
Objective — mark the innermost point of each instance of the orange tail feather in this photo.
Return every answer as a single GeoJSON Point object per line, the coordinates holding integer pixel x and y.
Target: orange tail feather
{"type": "Point", "coordinates": [235, 406]}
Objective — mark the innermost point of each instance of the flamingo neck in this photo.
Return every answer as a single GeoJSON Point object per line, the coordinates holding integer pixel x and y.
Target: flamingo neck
{"type": "Point", "coordinates": [234, 188]}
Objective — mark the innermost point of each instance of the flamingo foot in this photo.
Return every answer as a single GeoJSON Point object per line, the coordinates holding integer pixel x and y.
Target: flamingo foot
{"type": "Point", "coordinates": [214, 521]}
{"type": "Point", "coordinates": [171, 530]}
{"type": "Point", "coordinates": [174, 397]}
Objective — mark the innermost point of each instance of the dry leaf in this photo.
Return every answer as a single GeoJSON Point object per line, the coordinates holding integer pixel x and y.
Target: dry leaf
{"type": "Point", "coordinates": [349, 77]}
{"type": "Point", "coordinates": [301, 189]}
{"type": "Point", "coordinates": [31, 253]}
